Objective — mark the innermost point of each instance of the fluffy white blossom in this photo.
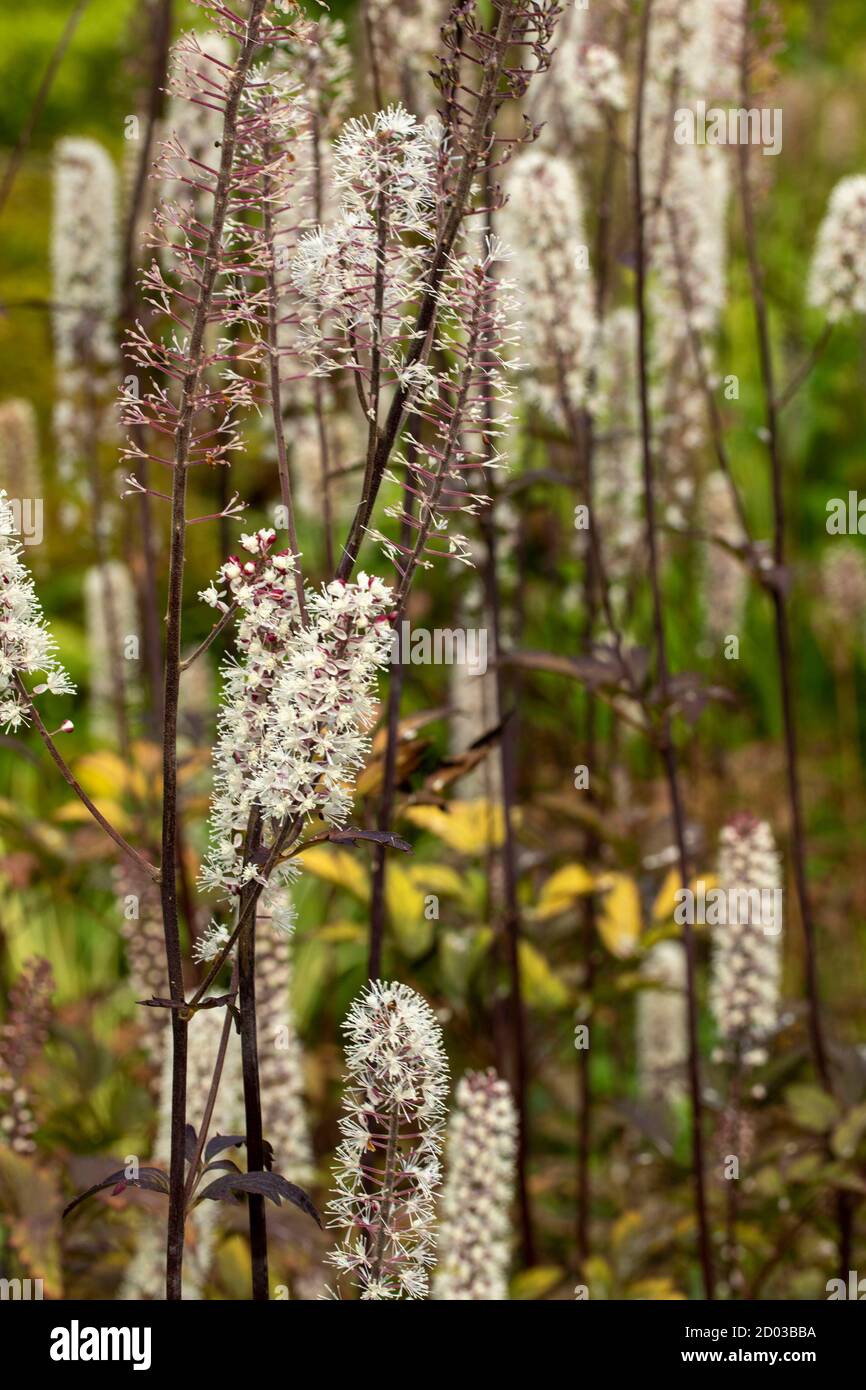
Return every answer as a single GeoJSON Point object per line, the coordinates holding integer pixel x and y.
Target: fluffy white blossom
{"type": "Point", "coordinates": [388, 1167]}
{"type": "Point", "coordinates": [584, 85]}
{"type": "Point", "coordinates": [726, 579]}
{"type": "Point", "coordinates": [295, 705]}
{"type": "Point", "coordinates": [111, 621]}
{"type": "Point", "coordinates": [842, 616]}
{"type": "Point", "coordinates": [475, 1227]}
{"type": "Point", "coordinates": [20, 473]}
{"type": "Point", "coordinates": [543, 224]}
{"type": "Point", "coordinates": [85, 293]}
{"type": "Point", "coordinates": [26, 644]}
{"type": "Point", "coordinates": [281, 1063]}
{"type": "Point", "coordinates": [662, 1043]}
{"type": "Point", "coordinates": [837, 277]}
{"type": "Point", "coordinates": [746, 960]}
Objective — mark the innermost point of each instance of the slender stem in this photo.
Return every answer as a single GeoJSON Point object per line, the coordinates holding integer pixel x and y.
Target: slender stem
{"type": "Point", "coordinates": [66, 773]}
{"type": "Point", "coordinates": [275, 388]}
{"type": "Point", "coordinates": [252, 1088]}
{"type": "Point", "coordinates": [213, 1091]}
{"type": "Point", "coordinates": [210, 265]}
{"type": "Point", "coordinates": [386, 1197]}
{"type": "Point", "coordinates": [211, 637]}
{"type": "Point", "coordinates": [148, 588]}
{"type": "Point", "coordinates": [777, 592]}
{"type": "Point", "coordinates": [667, 747]}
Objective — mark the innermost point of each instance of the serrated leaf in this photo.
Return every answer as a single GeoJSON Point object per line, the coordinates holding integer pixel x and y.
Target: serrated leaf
{"type": "Point", "coordinates": [271, 1185]}
{"type": "Point", "coordinates": [150, 1179]}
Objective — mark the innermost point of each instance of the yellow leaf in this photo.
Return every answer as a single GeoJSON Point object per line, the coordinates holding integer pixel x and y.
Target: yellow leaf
{"type": "Point", "coordinates": [625, 1226]}
{"type": "Point", "coordinates": [342, 931]}
{"type": "Point", "coordinates": [437, 878]}
{"type": "Point", "coordinates": [75, 811]}
{"type": "Point", "coordinates": [536, 1282]}
{"type": "Point", "coordinates": [405, 903]}
{"type": "Point", "coordinates": [542, 989]}
{"type": "Point", "coordinates": [561, 889]}
{"type": "Point", "coordinates": [470, 827]}
{"type": "Point", "coordinates": [619, 919]}
{"type": "Point", "coordinates": [666, 898]}
{"type": "Point", "coordinates": [337, 866]}
{"type": "Point", "coordinates": [655, 1290]}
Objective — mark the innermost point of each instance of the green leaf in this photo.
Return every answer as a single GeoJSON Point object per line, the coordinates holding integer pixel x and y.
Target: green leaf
{"type": "Point", "coordinates": [849, 1132]}
{"type": "Point", "coordinates": [811, 1108]}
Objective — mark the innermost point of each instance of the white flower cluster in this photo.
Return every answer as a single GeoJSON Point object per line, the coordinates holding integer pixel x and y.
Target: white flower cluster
{"type": "Point", "coordinates": [843, 591]}
{"type": "Point", "coordinates": [384, 173]}
{"type": "Point", "coordinates": [85, 280]}
{"type": "Point", "coordinates": [26, 644]}
{"type": "Point", "coordinates": [388, 1161]}
{"type": "Point", "coordinates": [726, 579]}
{"type": "Point", "coordinates": [837, 278]}
{"type": "Point", "coordinates": [295, 706]}
{"type": "Point", "coordinates": [281, 1063]}
{"type": "Point", "coordinates": [746, 954]}
{"type": "Point", "coordinates": [479, 1187]}
{"type": "Point", "coordinates": [584, 79]}
{"type": "Point", "coordinates": [662, 1045]}
{"type": "Point", "coordinates": [543, 224]}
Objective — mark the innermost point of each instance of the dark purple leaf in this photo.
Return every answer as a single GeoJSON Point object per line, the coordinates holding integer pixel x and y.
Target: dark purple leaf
{"type": "Point", "coordinates": [271, 1185]}
{"type": "Point", "coordinates": [351, 836]}
{"type": "Point", "coordinates": [151, 1179]}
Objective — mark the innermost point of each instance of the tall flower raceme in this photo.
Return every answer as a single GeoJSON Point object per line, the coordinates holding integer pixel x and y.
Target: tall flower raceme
{"type": "Point", "coordinates": [193, 126]}
{"type": "Point", "coordinates": [388, 1167]}
{"type": "Point", "coordinates": [27, 647]}
{"type": "Point", "coordinates": [725, 577]}
{"type": "Point", "coordinates": [358, 276]}
{"type": "Point", "coordinates": [617, 482]}
{"type": "Point", "coordinates": [475, 1228]}
{"type": "Point", "coordinates": [22, 1038]}
{"type": "Point", "coordinates": [662, 1043]}
{"type": "Point", "coordinates": [402, 39]}
{"type": "Point", "coordinates": [85, 292]}
{"type": "Point", "coordinates": [586, 85]}
{"type": "Point", "coordinates": [475, 337]}
{"type": "Point", "coordinates": [111, 623]}
{"type": "Point", "coordinates": [747, 959]}
{"type": "Point", "coordinates": [543, 224]}
{"type": "Point", "coordinates": [20, 473]}
{"type": "Point", "coordinates": [295, 705]}
{"type": "Point", "coordinates": [837, 276]}
{"type": "Point", "coordinates": [693, 54]}
{"type": "Point", "coordinates": [280, 1058]}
